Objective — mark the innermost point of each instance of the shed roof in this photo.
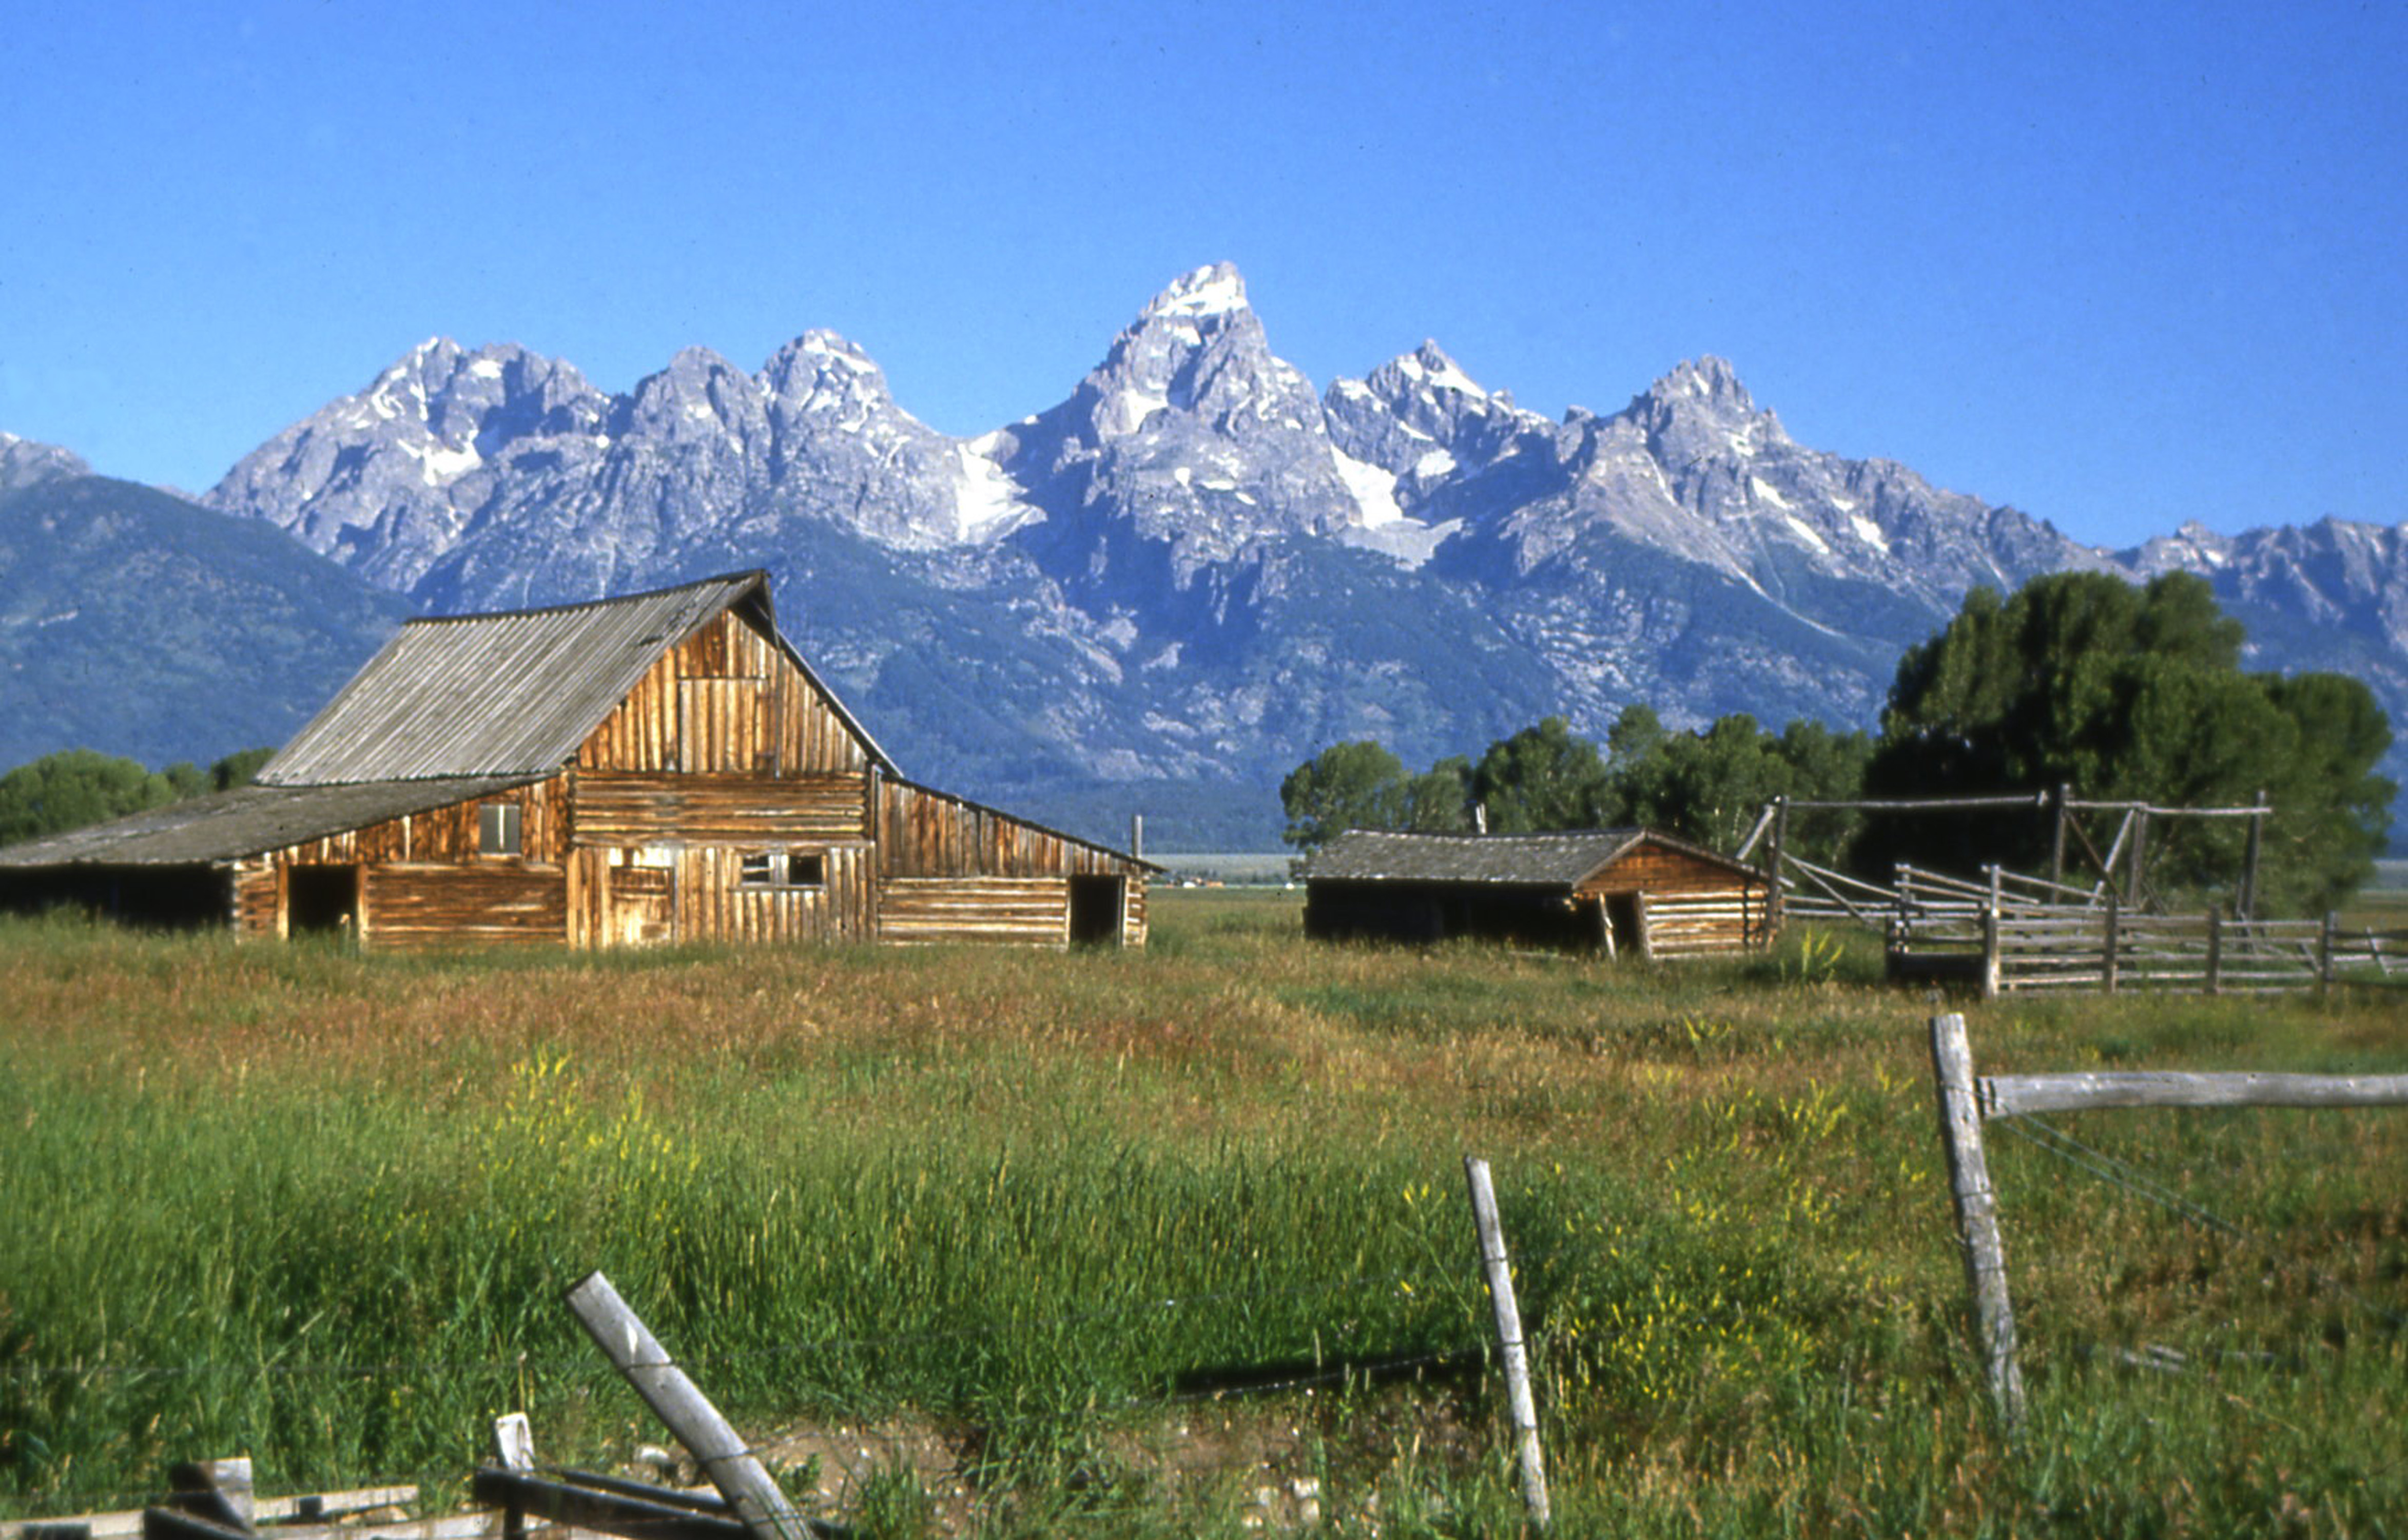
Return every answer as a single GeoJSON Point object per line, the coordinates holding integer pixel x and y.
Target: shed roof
{"type": "Point", "coordinates": [512, 694]}
{"type": "Point", "coordinates": [246, 821]}
{"type": "Point", "coordinates": [1520, 860]}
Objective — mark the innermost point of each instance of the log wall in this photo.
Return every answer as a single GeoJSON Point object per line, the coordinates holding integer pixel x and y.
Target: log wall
{"type": "Point", "coordinates": [1030, 912]}
{"type": "Point", "coordinates": [1682, 924]}
{"type": "Point", "coordinates": [256, 897]}
{"type": "Point", "coordinates": [635, 807]}
{"type": "Point", "coordinates": [413, 906]}
{"type": "Point", "coordinates": [1693, 905]}
{"type": "Point", "coordinates": [1133, 914]}
{"type": "Point", "coordinates": [924, 833]}
{"type": "Point", "coordinates": [445, 834]}
{"type": "Point", "coordinates": [400, 857]}
{"type": "Point", "coordinates": [712, 905]}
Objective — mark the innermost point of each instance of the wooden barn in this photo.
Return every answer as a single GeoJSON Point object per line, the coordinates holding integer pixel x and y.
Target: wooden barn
{"type": "Point", "coordinates": [1622, 892]}
{"type": "Point", "coordinates": [659, 767]}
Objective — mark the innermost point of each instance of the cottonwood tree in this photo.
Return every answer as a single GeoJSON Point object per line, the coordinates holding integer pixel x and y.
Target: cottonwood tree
{"type": "Point", "coordinates": [1357, 784]}
{"type": "Point", "coordinates": [2130, 694]}
{"type": "Point", "coordinates": [77, 788]}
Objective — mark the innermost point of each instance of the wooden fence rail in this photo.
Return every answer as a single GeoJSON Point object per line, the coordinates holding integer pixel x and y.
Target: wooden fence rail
{"type": "Point", "coordinates": [1967, 1100]}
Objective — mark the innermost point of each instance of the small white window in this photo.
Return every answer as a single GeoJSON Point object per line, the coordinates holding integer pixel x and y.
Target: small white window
{"type": "Point", "coordinates": [497, 829]}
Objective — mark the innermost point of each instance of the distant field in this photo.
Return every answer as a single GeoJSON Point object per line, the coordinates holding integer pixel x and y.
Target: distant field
{"type": "Point", "coordinates": [1246, 867]}
{"type": "Point", "coordinates": [1112, 1243]}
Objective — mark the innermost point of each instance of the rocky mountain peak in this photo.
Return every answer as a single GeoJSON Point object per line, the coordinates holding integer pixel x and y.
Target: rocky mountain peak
{"type": "Point", "coordinates": [1197, 347]}
{"type": "Point", "coordinates": [700, 395]}
{"type": "Point", "coordinates": [1213, 290]}
{"type": "Point", "coordinates": [25, 463]}
{"type": "Point", "coordinates": [1421, 415]}
{"type": "Point", "coordinates": [1427, 370]}
{"type": "Point", "coordinates": [1701, 411]}
{"type": "Point", "coordinates": [823, 361]}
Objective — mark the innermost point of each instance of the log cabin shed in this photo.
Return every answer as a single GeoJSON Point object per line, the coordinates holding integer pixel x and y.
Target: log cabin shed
{"type": "Point", "coordinates": [1617, 891]}
{"type": "Point", "coordinates": [658, 768]}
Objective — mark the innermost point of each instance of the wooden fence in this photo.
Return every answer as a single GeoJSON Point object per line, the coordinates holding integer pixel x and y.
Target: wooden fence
{"type": "Point", "coordinates": [2010, 932]}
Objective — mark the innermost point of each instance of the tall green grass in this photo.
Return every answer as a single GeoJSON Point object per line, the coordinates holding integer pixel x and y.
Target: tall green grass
{"type": "Point", "coordinates": [321, 1208]}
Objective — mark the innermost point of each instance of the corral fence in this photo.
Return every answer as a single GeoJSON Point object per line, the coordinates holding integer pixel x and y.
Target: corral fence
{"type": "Point", "coordinates": [2011, 933]}
{"type": "Point", "coordinates": [2006, 931]}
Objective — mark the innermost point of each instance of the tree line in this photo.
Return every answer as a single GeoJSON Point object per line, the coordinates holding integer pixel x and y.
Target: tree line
{"type": "Point", "coordinates": [2125, 693]}
{"type": "Point", "coordinates": [80, 787]}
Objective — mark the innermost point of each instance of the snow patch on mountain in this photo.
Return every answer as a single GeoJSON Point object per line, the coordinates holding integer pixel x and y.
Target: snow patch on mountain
{"type": "Point", "coordinates": [1374, 490]}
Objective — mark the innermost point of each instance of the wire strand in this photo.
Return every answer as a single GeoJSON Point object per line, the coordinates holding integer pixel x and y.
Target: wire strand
{"type": "Point", "coordinates": [2066, 1147]}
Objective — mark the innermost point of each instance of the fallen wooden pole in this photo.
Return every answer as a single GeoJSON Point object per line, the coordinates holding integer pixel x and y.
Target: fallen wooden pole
{"type": "Point", "coordinates": [582, 1506]}
{"type": "Point", "coordinates": [646, 1365]}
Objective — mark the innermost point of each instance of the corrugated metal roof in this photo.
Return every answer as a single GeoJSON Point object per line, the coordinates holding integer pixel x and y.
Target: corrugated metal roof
{"type": "Point", "coordinates": [1550, 860]}
{"type": "Point", "coordinates": [509, 694]}
{"type": "Point", "coordinates": [246, 821]}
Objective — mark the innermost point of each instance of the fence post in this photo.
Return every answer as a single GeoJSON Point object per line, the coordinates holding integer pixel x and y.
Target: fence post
{"type": "Point", "coordinates": [2325, 955]}
{"type": "Point", "coordinates": [1992, 980]}
{"type": "Point", "coordinates": [2249, 863]}
{"type": "Point", "coordinates": [1774, 901]}
{"type": "Point", "coordinates": [2057, 844]}
{"type": "Point", "coordinates": [2138, 858]}
{"type": "Point", "coordinates": [645, 1364]}
{"type": "Point", "coordinates": [514, 1451]}
{"type": "Point", "coordinates": [1508, 1338]}
{"type": "Point", "coordinates": [1977, 1216]}
{"type": "Point", "coordinates": [2215, 949]}
{"type": "Point", "coordinates": [2108, 953]}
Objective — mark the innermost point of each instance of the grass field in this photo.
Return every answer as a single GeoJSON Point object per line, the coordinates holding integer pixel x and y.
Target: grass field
{"type": "Point", "coordinates": [1110, 1243]}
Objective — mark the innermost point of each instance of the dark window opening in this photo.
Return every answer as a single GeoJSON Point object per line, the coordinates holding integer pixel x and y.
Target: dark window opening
{"type": "Point", "coordinates": [321, 901]}
{"type": "Point", "coordinates": [783, 869]}
{"type": "Point", "coordinates": [1096, 904]}
{"type": "Point", "coordinates": [497, 829]}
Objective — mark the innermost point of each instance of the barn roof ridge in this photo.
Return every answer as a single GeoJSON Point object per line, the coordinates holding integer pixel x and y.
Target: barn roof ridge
{"type": "Point", "coordinates": [740, 577]}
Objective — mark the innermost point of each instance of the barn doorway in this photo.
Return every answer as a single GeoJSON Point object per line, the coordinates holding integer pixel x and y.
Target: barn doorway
{"type": "Point", "coordinates": [1096, 904]}
{"type": "Point", "coordinates": [321, 901]}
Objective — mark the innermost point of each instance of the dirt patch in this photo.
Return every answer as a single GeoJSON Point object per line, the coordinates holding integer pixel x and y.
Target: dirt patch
{"type": "Point", "coordinates": [1292, 1465]}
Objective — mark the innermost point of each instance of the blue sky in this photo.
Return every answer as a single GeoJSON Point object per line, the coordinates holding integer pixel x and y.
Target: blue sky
{"type": "Point", "coordinates": [2119, 266]}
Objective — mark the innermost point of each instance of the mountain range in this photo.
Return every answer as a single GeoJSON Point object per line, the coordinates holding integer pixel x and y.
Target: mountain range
{"type": "Point", "coordinates": [1158, 595]}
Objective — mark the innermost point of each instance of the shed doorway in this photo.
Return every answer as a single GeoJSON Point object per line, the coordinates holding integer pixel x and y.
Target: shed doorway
{"type": "Point", "coordinates": [1097, 905]}
{"type": "Point", "coordinates": [321, 901]}
{"type": "Point", "coordinates": [1626, 926]}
